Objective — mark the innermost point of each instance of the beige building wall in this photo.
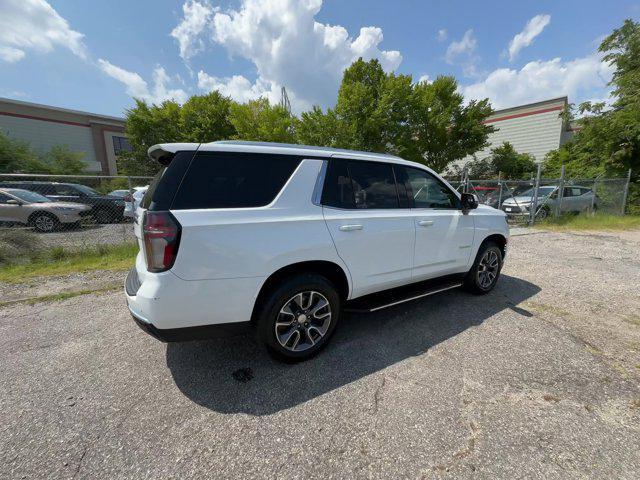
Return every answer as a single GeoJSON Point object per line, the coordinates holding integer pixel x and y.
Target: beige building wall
{"type": "Point", "coordinates": [536, 129]}
{"type": "Point", "coordinates": [43, 126]}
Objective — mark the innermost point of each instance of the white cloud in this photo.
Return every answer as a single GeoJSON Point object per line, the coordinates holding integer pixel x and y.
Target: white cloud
{"type": "Point", "coordinates": [196, 16]}
{"type": "Point", "coordinates": [466, 46]}
{"type": "Point", "coordinates": [137, 87]}
{"type": "Point", "coordinates": [580, 79]}
{"type": "Point", "coordinates": [424, 78]}
{"type": "Point", "coordinates": [532, 29]}
{"type": "Point", "coordinates": [237, 87]}
{"type": "Point", "coordinates": [11, 55]}
{"type": "Point", "coordinates": [35, 25]}
{"type": "Point", "coordinates": [442, 35]}
{"type": "Point", "coordinates": [288, 47]}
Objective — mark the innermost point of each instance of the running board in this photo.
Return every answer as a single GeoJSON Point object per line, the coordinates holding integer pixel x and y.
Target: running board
{"type": "Point", "coordinates": [390, 298]}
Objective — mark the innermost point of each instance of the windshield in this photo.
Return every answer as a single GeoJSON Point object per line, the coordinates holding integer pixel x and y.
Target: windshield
{"type": "Point", "coordinates": [30, 197]}
{"type": "Point", "coordinates": [86, 190]}
{"type": "Point", "coordinates": [542, 192]}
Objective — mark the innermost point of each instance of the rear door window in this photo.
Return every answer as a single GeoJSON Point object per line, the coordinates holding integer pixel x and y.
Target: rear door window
{"type": "Point", "coordinates": [374, 185]}
{"type": "Point", "coordinates": [338, 191]}
{"type": "Point", "coordinates": [233, 180]}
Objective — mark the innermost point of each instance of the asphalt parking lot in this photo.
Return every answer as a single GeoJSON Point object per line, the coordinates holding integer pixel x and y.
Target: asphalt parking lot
{"type": "Point", "coordinates": [539, 379]}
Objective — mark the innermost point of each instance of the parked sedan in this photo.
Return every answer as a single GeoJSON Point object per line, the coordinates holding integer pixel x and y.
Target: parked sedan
{"type": "Point", "coordinates": [104, 208]}
{"type": "Point", "coordinates": [35, 210]}
{"type": "Point", "coordinates": [575, 199]}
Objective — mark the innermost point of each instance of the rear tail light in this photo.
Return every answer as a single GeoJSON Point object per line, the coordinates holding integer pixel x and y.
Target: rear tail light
{"type": "Point", "coordinates": [161, 234]}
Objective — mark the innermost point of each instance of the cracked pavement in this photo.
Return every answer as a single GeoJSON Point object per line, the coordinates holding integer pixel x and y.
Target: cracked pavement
{"type": "Point", "coordinates": [539, 379]}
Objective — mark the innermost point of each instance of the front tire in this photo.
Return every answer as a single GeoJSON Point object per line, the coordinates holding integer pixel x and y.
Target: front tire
{"type": "Point", "coordinates": [485, 271]}
{"type": "Point", "coordinates": [44, 222]}
{"type": "Point", "coordinates": [298, 317]}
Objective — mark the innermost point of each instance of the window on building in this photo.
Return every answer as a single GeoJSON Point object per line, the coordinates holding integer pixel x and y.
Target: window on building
{"type": "Point", "coordinates": [121, 144]}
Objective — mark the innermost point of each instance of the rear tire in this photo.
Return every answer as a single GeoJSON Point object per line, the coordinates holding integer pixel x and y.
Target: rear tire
{"type": "Point", "coordinates": [297, 318]}
{"type": "Point", "coordinates": [103, 216]}
{"type": "Point", "coordinates": [485, 271]}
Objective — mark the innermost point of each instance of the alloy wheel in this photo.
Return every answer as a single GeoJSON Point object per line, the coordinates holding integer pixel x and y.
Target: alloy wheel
{"type": "Point", "coordinates": [303, 321]}
{"type": "Point", "coordinates": [488, 268]}
{"type": "Point", "coordinates": [44, 223]}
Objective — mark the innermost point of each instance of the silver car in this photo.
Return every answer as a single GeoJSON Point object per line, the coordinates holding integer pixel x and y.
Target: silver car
{"type": "Point", "coordinates": [575, 199]}
{"type": "Point", "coordinates": [37, 211]}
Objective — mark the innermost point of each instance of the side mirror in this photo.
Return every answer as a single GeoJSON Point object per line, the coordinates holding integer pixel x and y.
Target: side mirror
{"type": "Point", "coordinates": [13, 201]}
{"type": "Point", "coordinates": [469, 201]}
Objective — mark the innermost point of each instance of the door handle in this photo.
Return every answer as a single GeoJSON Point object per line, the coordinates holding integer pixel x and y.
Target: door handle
{"type": "Point", "coordinates": [349, 228]}
{"type": "Point", "coordinates": [425, 223]}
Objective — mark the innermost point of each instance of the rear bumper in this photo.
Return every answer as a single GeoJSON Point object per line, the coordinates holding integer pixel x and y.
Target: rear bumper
{"type": "Point", "coordinates": [172, 310]}
{"type": "Point", "coordinates": [186, 334]}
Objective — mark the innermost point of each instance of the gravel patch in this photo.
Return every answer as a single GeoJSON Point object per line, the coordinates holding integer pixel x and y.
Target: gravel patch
{"type": "Point", "coordinates": [538, 379]}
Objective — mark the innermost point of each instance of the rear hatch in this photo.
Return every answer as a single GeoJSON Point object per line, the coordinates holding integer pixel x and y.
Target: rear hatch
{"type": "Point", "coordinates": [174, 160]}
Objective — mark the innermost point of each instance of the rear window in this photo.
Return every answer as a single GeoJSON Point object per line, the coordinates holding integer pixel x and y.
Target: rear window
{"type": "Point", "coordinates": [233, 180]}
{"type": "Point", "coordinates": [164, 186]}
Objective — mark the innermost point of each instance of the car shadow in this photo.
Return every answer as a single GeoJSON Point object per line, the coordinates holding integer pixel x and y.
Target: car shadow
{"type": "Point", "coordinates": [236, 375]}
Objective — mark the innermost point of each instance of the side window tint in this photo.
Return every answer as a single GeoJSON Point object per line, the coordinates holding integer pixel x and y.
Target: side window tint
{"type": "Point", "coordinates": [65, 190]}
{"type": "Point", "coordinates": [337, 191]}
{"type": "Point", "coordinates": [427, 191]}
{"type": "Point", "coordinates": [374, 185]}
{"type": "Point", "coordinates": [567, 192]}
{"type": "Point", "coordinates": [401, 184]}
{"type": "Point", "coordinates": [233, 180]}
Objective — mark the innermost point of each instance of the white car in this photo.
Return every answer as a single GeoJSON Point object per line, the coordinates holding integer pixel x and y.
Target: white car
{"type": "Point", "coordinates": [283, 238]}
{"type": "Point", "coordinates": [131, 199]}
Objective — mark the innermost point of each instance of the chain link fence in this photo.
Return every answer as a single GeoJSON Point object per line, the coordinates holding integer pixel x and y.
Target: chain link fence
{"type": "Point", "coordinates": [81, 211]}
{"type": "Point", "coordinates": [528, 201]}
{"type": "Point", "coordinates": [70, 211]}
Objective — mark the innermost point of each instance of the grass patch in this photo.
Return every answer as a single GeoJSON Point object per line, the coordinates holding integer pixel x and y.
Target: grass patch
{"type": "Point", "coordinates": [58, 297]}
{"type": "Point", "coordinates": [60, 261]}
{"type": "Point", "coordinates": [591, 222]}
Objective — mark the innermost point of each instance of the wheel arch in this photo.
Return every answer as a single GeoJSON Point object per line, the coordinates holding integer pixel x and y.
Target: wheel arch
{"type": "Point", "coordinates": [330, 270]}
{"type": "Point", "coordinates": [497, 238]}
{"type": "Point", "coordinates": [33, 215]}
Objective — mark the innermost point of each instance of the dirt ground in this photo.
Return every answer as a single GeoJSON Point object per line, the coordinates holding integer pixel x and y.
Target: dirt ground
{"type": "Point", "coordinates": [539, 379]}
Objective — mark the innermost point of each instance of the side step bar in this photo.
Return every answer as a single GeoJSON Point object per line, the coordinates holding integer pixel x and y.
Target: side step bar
{"type": "Point", "coordinates": [390, 298]}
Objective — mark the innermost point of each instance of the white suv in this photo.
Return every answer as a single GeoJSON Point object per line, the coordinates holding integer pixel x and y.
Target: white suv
{"type": "Point", "coordinates": [283, 238]}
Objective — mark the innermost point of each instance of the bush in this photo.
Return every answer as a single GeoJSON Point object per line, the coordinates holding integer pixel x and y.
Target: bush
{"type": "Point", "coordinates": [18, 244]}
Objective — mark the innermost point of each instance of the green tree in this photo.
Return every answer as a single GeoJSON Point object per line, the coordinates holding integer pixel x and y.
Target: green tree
{"type": "Point", "coordinates": [608, 141]}
{"type": "Point", "coordinates": [258, 120]}
{"type": "Point", "coordinates": [17, 156]}
{"type": "Point", "coordinates": [372, 108]}
{"type": "Point", "coordinates": [60, 160]}
{"type": "Point", "coordinates": [321, 129]}
{"type": "Point", "coordinates": [147, 125]}
{"type": "Point", "coordinates": [205, 118]}
{"type": "Point", "coordinates": [442, 127]}
{"type": "Point", "coordinates": [511, 164]}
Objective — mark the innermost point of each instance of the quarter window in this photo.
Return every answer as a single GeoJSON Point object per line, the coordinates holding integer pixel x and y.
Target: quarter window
{"type": "Point", "coordinates": [227, 180]}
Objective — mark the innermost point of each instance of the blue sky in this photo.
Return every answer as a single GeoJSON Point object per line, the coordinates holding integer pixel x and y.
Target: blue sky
{"type": "Point", "coordinates": [96, 55]}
